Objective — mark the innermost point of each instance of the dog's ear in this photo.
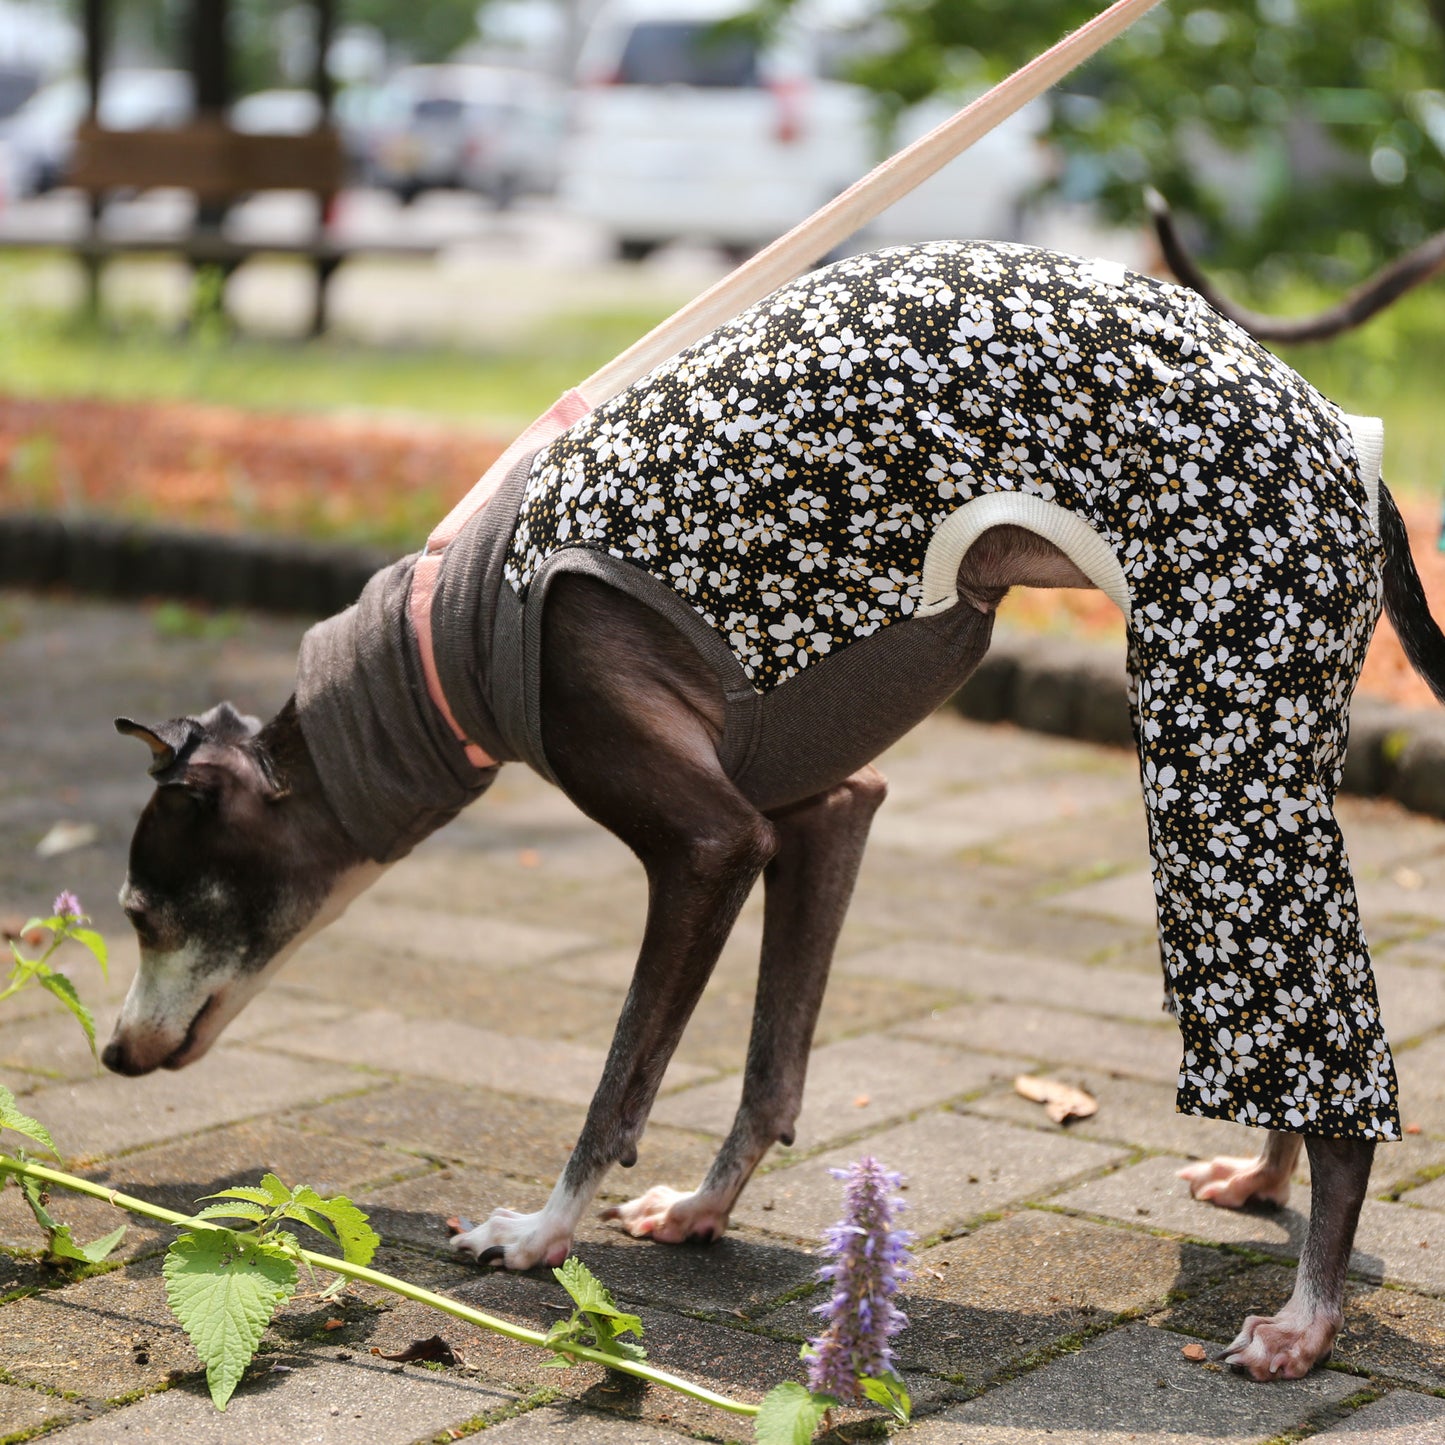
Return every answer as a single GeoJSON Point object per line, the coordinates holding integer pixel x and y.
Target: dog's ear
{"type": "Point", "coordinates": [223, 724]}
{"type": "Point", "coordinates": [170, 742]}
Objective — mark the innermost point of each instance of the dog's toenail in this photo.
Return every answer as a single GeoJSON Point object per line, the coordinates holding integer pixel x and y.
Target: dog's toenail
{"type": "Point", "coordinates": [492, 1254]}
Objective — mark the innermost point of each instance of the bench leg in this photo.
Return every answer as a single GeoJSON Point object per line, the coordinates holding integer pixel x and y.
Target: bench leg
{"type": "Point", "coordinates": [325, 267]}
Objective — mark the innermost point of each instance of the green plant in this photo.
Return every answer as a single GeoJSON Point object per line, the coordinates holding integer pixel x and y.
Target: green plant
{"type": "Point", "coordinates": [224, 1282]}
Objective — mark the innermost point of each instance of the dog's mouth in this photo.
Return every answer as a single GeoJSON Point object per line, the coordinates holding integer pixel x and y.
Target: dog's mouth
{"type": "Point", "coordinates": [191, 1046]}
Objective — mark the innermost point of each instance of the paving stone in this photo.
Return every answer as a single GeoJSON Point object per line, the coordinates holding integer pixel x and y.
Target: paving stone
{"type": "Point", "coordinates": [1412, 998]}
{"type": "Point", "coordinates": [108, 1114]}
{"type": "Point", "coordinates": [957, 1168]}
{"type": "Point", "coordinates": [717, 1033]}
{"type": "Point", "coordinates": [1128, 897]}
{"type": "Point", "coordinates": [22, 1410]}
{"type": "Point", "coordinates": [853, 1086]}
{"type": "Point", "coordinates": [1076, 1400]}
{"type": "Point", "coordinates": [1388, 1332]}
{"type": "Point", "coordinates": [51, 1045]}
{"type": "Point", "coordinates": [1052, 1036]}
{"type": "Point", "coordinates": [1394, 1242]}
{"type": "Point", "coordinates": [176, 1175]}
{"type": "Point", "coordinates": [100, 1338]}
{"type": "Point", "coordinates": [1131, 1111]}
{"type": "Point", "coordinates": [1400, 1418]}
{"type": "Point", "coordinates": [414, 1211]}
{"type": "Point", "coordinates": [1427, 1196]}
{"type": "Point", "coordinates": [561, 1425]}
{"type": "Point", "coordinates": [1421, 1073]}
{"type": "Point", "coordinates": [406, 933]}
{"type": "Point", "coordinates": [977, 816]}
{"type": "Point", "coordinates": [524, 1138]}
{"type": "Point", "coordinates": [462, 1054]}
{"type": "Point", "coordinates": [1015, 977]}
{"type": "Point", "coordinates": [280, 1008]}
{"type": "Point", "coordinates": [977, 1306]}
{"type": "Point", "coordinates": [361, 1402]}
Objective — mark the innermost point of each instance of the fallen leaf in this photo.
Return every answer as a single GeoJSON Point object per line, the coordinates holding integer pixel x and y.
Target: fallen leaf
{"type": "Point", "coordinates": [529, 858]}
{"type": "Point", "coordinates": [862, 1101]}
{"type": "Point", "coordinates": [1061, 1101]}
{"type": "Point", "coordinates": [1193, 1352]}
{"type": "Point", "coordinates": [1412, 1128]}
{"type": "Point", "coordinates": [65, 837]}
{"type": "Point", "coordinates": [435, 1350]}
{"type": "Point", "coordinates": [334, 1325]}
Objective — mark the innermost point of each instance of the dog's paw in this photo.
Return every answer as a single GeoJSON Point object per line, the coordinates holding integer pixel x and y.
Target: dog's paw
{"type": "Point", "coordinates": [1283, 1346]}
{"type": "Point", "coordinates": [1233, 1183]}
{"type": "Point", "coordinates": [670, 1217]}
{"type": "Point", "coordinates": [508, 1240]}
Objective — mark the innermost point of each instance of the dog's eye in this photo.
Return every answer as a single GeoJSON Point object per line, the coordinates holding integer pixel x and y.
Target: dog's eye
{"type": "Point", "coordinates": [139, 922]}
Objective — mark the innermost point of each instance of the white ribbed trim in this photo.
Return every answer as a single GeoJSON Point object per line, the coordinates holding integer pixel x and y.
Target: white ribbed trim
{"type": "Point", "coordinates": [1068, 531]}
{"type": "Point", "coordinates": [1369, 435]}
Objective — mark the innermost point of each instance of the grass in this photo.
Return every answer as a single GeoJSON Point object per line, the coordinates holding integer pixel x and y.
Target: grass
{"type": "Point", "coordinates": [1389, 368]}
{"type": "Point", "coordinates": [49, 354]}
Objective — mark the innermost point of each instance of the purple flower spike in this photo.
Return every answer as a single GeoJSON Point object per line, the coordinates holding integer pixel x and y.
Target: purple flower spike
{"type": "Point", "coordinates": [868, 1262]}
{"type": "Point", "coordinates": [67, 906]}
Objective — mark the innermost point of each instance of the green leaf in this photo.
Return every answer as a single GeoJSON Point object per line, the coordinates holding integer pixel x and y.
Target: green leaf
{"type": "Point", "coordinates": [64, 1247]}
{"type": "Point", "coordinates": [890, 1392]}
{"type": "Point", "coordinates": [789, 1414]}
{"type": "Point", "coordinates": [352, 1230]}
{"type": "Point", "coordinates": [89, 938]}
{"type": "Point", "coordinates": [279, 1194]}
{"type": "Point", "coordinates": [224, 1289]}
{"type": "Point", "coordinates": [12, 1118]}
{"type": "Point", "coordinates": [592, 1296]}
{"type": "Point", "coordinates": [602, 1316]}
{"type": "Point", "coordinates": [64, 990]}
{"type": "Point", "coordinates": [252, 1192]}
{"type": "Point", "coordinates": [249, 1211]}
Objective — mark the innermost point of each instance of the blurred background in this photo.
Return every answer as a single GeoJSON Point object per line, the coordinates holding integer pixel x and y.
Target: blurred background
{"type": "Point", "coordinates": [400, 229]}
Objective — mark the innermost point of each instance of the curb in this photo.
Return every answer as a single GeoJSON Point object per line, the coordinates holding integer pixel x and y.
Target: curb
{"type": "Point", "coordinates": [1067, 689]}
{"type": "Point", "coordinates": [130, 561]}
{"type": "Point", "coordinates": [1080, 690]}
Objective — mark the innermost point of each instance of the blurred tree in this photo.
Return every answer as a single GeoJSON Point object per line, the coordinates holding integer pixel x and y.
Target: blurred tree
{"type": "Point", "coordinates": [413, 31]}
{"type": "Point", "coordinates": [1303, 129]}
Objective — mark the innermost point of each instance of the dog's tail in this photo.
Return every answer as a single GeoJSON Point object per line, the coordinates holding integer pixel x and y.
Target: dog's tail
{"type": "Point", "coordinates": [1405, 602]}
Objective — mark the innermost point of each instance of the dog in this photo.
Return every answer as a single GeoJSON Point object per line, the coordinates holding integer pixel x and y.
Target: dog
{"type": "Point", "coordinates": [710, 603]}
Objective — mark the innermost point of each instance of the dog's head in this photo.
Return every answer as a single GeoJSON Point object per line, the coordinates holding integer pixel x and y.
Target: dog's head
{"type": "Point", "coordinates": [225, 880]}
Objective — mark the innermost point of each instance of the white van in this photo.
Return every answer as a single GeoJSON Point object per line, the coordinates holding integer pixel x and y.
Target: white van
{"type": "Point", "coordinates": [686, 132]}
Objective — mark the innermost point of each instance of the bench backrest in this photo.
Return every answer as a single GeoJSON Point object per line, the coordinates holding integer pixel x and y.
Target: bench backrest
{"type": "Point", "coordinates": [208, 158]}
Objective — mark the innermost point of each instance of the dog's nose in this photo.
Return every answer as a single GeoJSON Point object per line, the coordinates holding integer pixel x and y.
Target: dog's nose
{"type": "Point", "coordinates": [115, 1058]}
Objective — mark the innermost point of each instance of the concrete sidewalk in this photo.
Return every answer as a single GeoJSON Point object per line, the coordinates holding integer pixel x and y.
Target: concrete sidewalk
{"type": "Point", "coordinates": [434, 1052]}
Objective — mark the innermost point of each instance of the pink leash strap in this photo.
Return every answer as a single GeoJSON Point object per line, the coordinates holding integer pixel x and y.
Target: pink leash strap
{"type": "Point", "coordinates": [570, 407]}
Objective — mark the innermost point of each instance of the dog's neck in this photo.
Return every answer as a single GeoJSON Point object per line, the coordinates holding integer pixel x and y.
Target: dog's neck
{"type": "Point", "coordinates": [388, 765]}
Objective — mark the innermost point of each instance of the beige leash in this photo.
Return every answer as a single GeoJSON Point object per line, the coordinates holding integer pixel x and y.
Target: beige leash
{"type": "Point", "coordinates": [833, 223]}
{"type": "Point", "coordinates": [778, 263]}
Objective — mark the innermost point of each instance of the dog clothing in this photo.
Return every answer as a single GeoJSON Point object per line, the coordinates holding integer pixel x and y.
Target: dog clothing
{"type": "Point", "coordinates": [796, 492]}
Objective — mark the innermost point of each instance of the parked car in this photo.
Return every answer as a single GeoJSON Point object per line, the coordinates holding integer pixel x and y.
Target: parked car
{"type": "Point", "coordinates": [467, 127]}
{"type": "Point", "coordinates": [40, 136]}
{"type": "Point", "coordinates": [683, 130]}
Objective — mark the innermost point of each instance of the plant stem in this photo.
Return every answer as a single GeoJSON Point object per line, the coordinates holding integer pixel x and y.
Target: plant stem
{"type": "Point", "coordinates": [643, 1371]}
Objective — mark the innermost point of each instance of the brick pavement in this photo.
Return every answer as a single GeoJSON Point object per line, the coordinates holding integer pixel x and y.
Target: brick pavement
{"type": "Point", "coordinates": [435, 1050]}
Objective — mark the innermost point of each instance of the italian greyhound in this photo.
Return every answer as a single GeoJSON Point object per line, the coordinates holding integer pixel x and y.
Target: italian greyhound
{"type": "Point", "coordinates": [250, 844]}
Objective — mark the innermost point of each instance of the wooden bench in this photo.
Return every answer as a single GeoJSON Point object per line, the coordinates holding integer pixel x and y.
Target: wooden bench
{"type": "Point", "coordinates": [219, 166]}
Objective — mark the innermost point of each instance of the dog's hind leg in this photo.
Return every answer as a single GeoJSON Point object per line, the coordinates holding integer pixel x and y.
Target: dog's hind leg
{"type": "Point", "coordinates": [809, 884]}
{"type": "Point", "coordinates": [1290, 1343]}
{"type": "Point", "coordinates": [1233, 1183]}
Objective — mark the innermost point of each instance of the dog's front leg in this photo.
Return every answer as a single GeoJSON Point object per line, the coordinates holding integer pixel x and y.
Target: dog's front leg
{"type": "Point", "coordinates": [809, 885]}
{"type": "Point", "coordinates": [697, 885]}
{"type": "Point", "coordinates": [1232, 1183]}
{"type": "Point", "coordinates": [1291, 1343]}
